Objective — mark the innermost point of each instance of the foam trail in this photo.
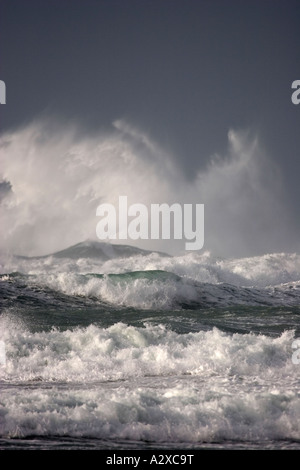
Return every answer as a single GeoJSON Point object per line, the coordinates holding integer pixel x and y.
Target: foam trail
{"type": "Point", "coordinates": [54, 178]}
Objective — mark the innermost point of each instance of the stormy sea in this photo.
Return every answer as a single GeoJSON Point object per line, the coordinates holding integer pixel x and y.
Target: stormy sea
{"type": "Point", "coordinates": [114, 347]}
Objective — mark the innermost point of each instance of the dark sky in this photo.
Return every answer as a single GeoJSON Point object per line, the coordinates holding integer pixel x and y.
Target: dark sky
{"type": "Point", "coordinates": [184, 71]}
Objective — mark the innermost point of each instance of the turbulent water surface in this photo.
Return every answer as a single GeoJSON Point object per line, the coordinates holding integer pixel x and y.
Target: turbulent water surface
{"type": "Point", "coordinates": [115, 347]}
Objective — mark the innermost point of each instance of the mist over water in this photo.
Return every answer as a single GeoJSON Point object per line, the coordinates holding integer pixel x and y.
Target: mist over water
{"type": "Point", "coordinates": [54, 177]}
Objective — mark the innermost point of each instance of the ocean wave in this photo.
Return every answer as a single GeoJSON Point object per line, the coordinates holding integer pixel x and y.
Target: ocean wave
{"type": "Point", "coordinates": [129, 277]}
{"type": "Point", "coordinates": [148, 384]}
{"type": "Point", "coordinates": [122, 351]}
{"type": "Point", "coordinates": [153, 289]}
{"type": "Point", "coordinates": [174, 415]}
{"type": "Point", "coordinates": [104, 258]}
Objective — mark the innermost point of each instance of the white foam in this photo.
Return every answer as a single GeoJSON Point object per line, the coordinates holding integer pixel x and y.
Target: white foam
{"type": "Point", "coordinates": [149, 383]}
{"type": "Point", "coordinates": [121, 351]}
{"type": "Point", "coordinates": [188, 412]}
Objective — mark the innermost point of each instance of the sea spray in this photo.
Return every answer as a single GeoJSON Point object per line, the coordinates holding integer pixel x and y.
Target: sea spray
{"type": "Point", "coordinates": [241, 190]}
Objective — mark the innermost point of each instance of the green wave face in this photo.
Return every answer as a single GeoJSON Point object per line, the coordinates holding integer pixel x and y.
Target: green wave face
{"type": "Point", "coordinates": [151, 275]}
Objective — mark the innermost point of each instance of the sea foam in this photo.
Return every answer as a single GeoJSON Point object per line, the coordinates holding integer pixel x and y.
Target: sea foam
{"type": "Point", "coordinates": [127, 383]}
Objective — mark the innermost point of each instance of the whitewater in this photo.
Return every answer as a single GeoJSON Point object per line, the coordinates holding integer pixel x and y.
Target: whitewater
{"type": "Point", "coordinates": [112, 346]}
{"type": "Point", "coordinates": [143, 345]}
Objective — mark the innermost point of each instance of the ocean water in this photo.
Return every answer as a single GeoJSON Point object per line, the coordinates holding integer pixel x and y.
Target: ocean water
{"type": "Point", "coordinates": [113, 347]}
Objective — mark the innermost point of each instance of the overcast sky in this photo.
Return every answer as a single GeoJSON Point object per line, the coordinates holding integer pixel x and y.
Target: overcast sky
{"type": "Point", "coordinates": [184, 72]}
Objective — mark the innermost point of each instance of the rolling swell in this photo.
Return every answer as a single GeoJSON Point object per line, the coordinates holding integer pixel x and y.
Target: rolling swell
{"type": "Point", "coordinates": [152, 289]}
{"type": "Point", "coordinates": [186, 293]}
